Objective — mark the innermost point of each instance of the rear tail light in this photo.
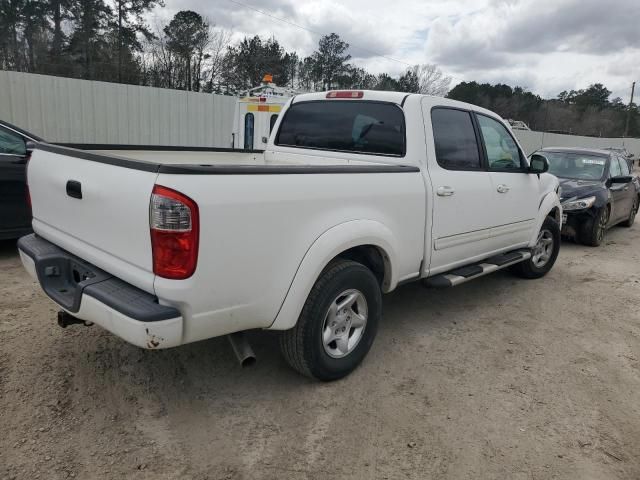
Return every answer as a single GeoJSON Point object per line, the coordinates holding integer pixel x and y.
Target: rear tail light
{"type": "Point", "coordinates": [345, 94]}
{"type": "Point", "coordinates": [175, 229]}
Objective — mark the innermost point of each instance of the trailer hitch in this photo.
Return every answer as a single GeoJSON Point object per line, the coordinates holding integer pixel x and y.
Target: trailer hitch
{"type": "Point", "coordinates": [65, 319]}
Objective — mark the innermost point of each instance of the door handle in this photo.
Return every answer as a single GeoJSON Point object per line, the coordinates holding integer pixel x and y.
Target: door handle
{"type": "Point", "coordinates": [445, 191]}
{"type": "Point", "coordinates": [74, 189]}
{"type": "Point", "coordinates": [502, 188]}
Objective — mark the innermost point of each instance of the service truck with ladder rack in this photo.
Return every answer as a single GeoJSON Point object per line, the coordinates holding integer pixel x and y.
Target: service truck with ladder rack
{"type": "Point", "coordinates": [256, 113]}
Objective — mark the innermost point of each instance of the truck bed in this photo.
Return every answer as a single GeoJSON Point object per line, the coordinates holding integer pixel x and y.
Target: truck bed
{"type": "Point", "coordinates": [259, 214]}
{"type": "Point", "coordinates": [163, 159]}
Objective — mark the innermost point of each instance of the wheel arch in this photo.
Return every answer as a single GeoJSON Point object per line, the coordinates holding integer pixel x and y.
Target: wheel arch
{"type": "Point", "coordinates": [365, 241]}
{"type": "Point", "coordinates": [549, 206]}
{"type": "Point", "coordinates": [555, 214]}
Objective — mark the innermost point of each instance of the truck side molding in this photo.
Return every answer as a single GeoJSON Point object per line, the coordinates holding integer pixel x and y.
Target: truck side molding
{"type": "Point", "coordinates": [549, 203]}
{"type": "Point", "coordinates": [326, 247]}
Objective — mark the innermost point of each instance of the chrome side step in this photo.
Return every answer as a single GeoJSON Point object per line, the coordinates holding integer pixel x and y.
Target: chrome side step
{"type": "Point", "coordinates": [470, 272]}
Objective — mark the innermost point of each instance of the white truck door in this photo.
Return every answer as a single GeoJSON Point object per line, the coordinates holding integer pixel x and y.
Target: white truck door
{"type": "Point", "coordinates": [256, 124]}
{"type": "Point", "coordinates": [264, 121]}
{"type": "Point", "coordinates": [462, 189]}
{"type": "Point", "coordinates": [515, 191]}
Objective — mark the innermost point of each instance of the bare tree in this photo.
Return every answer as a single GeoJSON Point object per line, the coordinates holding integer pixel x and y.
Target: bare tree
{"type": "Point", "coordinates": [166, 66]}
{"type": "Point", "coordinates": [431, 80]}
{"type": "Point", "coordinates": [211, 57]}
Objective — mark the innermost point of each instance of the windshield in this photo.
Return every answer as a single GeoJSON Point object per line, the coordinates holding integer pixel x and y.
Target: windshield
{"type": "Point", "coordinates": [578, 166]}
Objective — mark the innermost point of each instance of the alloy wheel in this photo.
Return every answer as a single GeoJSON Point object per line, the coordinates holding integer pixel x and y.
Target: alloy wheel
{"type": "Point", "coordinates": [603, 219]}
{"type": "Point", "coordinates": [344, 323]}
{"type": "Point", "coordinates": [543, 249]}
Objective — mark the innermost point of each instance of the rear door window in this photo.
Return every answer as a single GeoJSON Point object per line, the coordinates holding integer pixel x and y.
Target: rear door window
{"type": "Point", "coordinates": [375, 128]}
{"type": "Point", "coordinates": [455, 139]}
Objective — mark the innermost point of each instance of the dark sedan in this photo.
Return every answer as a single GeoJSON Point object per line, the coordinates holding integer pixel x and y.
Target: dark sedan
{"type": "Point", "coordinates": [598, 191]}
{"type": "Point", "coordinates": [15, 213]}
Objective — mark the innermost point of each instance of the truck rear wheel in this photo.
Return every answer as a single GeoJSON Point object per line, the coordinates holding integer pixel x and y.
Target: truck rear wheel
{"type": "Point", "coordinates": [338, 323]}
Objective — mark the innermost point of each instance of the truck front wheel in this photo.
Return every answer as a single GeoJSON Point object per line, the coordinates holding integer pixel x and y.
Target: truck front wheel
{"type": "Point", "coordinates": [338, 323]}
{"type": "Point", "coordinates": [543, 253]}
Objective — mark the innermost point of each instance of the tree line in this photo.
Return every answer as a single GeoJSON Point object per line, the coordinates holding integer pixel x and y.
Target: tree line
{"type": "Point", "coordinates": [109, 40]}
{"type": "Point", "coordinates": [588, 111]}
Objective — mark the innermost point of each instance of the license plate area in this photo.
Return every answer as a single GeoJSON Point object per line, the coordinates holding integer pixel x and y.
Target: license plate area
{"type": "Point", "coordinates": [63, 278]}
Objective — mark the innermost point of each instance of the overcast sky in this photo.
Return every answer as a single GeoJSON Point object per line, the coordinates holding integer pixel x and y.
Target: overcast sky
{"type": "Point", "coordinates": [545, 46]}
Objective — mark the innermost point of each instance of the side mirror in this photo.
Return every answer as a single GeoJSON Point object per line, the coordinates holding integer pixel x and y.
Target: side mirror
{"type": "Point", "coordinates": [621, 179]}
{"type": "Point", "coordinates": [538, 164]}
{"type": "Point", "coordinates": [30, 147]}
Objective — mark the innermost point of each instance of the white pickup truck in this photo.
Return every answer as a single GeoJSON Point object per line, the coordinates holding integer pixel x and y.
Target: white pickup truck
{"type": "Point", "coordinates": [356, 193]}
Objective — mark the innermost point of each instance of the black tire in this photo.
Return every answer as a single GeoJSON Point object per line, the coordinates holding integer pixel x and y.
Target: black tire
{"type": "Point", "coordinates": [303, 347]}
{"type": "Point", "coordinates": [529, 269]}
{"type": "Point", "coordinates": [632, 214]}
{"type": "Point", "coordinates": [592, 233]}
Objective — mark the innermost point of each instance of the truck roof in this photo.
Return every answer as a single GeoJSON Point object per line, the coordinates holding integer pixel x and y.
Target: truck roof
{"type": "Point", "coordinates": [381, 96]}
{"type": "Point", "coordinates": [396, 97]}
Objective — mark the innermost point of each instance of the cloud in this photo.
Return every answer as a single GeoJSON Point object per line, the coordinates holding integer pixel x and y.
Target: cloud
{"type": "Point", "coordinates": [463, 44]}
{"type": "Point", "coordinates": [585, 26]}
{"type": "Point", "coordinates": [545, 45]}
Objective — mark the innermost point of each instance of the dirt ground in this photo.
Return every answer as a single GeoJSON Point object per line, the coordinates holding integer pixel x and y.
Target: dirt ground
{"type": "Point", "coordinates": [498, 378]}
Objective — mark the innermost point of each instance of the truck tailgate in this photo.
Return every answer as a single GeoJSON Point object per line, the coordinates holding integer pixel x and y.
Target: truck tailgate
{"type": "Point", "coordinates": [97, 211]}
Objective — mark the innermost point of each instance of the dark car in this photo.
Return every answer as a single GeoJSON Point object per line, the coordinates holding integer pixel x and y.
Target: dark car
{"type": "Point", "coordinates": [598, 191]}
{"type": "Point", "coordinates": [622, 151]}
{"type": "Point", "coordinates": [15, 213]}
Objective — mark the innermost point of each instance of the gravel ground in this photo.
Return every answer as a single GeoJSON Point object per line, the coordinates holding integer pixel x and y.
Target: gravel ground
{"type": "Point", "coordinates": [498, 378]}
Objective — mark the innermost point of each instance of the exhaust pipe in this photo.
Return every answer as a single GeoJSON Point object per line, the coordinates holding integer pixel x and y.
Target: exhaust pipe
{"type": "Point", "coordinates": [65, 319]}
{"type": "Point", "coordinates": [242, 349]}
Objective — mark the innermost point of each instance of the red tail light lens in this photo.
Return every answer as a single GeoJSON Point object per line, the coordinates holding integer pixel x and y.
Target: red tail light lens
{"type": "Point", "coordinates": [175, 230]}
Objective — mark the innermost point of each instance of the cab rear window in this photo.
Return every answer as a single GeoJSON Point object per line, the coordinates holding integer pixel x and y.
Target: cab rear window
{"type": "Point", "coordinates": [375, 128]}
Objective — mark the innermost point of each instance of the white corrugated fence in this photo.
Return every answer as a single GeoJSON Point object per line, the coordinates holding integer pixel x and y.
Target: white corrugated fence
{"type": "Point", "coordinates": [82, 111]}
{"type": "Point", "coordinates": [532, 141]}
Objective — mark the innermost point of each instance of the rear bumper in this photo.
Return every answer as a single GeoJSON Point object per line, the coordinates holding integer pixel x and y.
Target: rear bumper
{"type": "Point", "coordinates": [93, 295]}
